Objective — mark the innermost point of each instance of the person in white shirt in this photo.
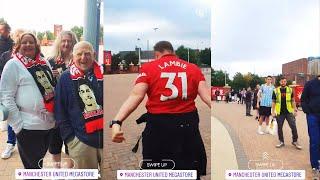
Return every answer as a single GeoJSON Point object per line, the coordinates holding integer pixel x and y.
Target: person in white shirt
{"type": "Point", "coordinates": [30, 107]}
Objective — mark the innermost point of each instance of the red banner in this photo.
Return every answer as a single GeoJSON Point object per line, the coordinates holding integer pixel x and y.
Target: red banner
{"type": "Point", "coordinates": [222, 91]}
{"type": "Point", "coordinates": [107, 57]}
{"type": "Point", "coordinates": [297, 93]}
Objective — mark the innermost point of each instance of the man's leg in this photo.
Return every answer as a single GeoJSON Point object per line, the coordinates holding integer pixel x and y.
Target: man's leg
{"type": "Point", "coordinates": [247, 108]}
{"type": "Point", "coordinates": [10, 144]}
{"type": "Point", "coordinates": [292, 123]}
{"type": "Point", "coordinates": [260, 124]}
{"type": "Point", "coordinates": [11, 136]}
{"type": "Point", "coordinates": [84, 156]}
{"type": "Point", "coordinates": [55, 147]}
{"type": "Point", "coordinates": [280, 122]}
{"type": "Point", "coordinates": [314, 134]}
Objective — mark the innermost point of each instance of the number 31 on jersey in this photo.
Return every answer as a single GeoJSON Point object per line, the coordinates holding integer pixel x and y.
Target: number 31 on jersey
{"type": "Point", "coordinates": [171, 77]}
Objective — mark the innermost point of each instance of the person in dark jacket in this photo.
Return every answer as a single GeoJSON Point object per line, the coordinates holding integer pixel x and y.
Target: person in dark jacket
{"type": "Point", "coordinates": [81, 128]}
{"type": "Point", "coordinates": [248, 99]}
{"type": "Point", "coordinates": [310, 102]}
{"type": "Point", "coordinates": [6, 42]}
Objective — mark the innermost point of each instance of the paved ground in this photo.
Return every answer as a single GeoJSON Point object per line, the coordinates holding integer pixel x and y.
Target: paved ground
{"type": "Point", "coordinates": [249, 145]}
{"type": "Point", "coordinates": [119, 156]}
{"type": "Point", "coordinates": [8, 166]}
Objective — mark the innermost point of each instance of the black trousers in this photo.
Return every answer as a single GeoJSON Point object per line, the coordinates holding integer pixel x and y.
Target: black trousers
{"type": "Point", "coordinates": [248, 107]}
{"type": "Point", "coordinates": [33, 146]}
{"type": "Point", "coordinates": [175, 137]}
{"type": "Point", "coordinates": [56, 142]}
{"type": "Point", "coordinates": [292, 123]}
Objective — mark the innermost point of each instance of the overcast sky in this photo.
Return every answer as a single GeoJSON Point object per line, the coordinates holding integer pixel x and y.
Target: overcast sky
{"type": "Point", "coordinates": [183, 22]}
{"type": "Point", "coordinates": [260, 35]}
{"type": "Point", "coordinates": [41, 15]}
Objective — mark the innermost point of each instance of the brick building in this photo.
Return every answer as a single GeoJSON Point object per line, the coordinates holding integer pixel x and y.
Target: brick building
{"type": "Point", "coordinates": [297, 71]}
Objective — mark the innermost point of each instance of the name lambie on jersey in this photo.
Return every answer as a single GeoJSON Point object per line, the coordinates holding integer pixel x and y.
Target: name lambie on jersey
{"type": "Point", "coordinates": [173, 63]}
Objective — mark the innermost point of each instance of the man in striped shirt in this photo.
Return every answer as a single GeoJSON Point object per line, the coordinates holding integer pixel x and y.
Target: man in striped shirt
{"type": "Point", "coordinates": [264, 104]}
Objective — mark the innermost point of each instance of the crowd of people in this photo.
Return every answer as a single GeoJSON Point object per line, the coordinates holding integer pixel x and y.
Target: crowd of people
{"type": "Point", "coordinates": [279, 104]}
{"type": "Point", "coordinates": [53, 99]}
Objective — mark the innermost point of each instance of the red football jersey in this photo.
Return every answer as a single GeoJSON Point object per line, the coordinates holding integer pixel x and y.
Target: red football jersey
{"type": "Point", "coordinates": [172, 85]}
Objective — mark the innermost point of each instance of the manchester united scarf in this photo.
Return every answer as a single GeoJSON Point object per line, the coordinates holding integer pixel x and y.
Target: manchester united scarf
{"type": "Point", "coordinates": [89, 89]}
{"type": "Point", "coordinates": [43, 77]}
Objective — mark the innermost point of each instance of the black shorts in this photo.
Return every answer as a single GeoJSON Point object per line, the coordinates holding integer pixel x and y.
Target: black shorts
{"type": "Point", "coordinates": [175, 137]}
{"type": "Point", "coordinates": [56, 142]}
{"type": "Point", "coordinates": [264, 111]}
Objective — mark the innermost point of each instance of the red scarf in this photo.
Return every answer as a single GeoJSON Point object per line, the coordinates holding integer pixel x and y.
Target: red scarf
{"type": "Point", "coordinates": [94, 118]}
{"type": "Point", "coordinates": [36, 66]}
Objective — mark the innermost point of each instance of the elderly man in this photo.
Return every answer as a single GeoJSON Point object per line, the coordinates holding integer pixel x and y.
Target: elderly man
{"type": "Point", "coordinates": [172, 129]}
{"type": "Point", "coordinates": [81, 128]}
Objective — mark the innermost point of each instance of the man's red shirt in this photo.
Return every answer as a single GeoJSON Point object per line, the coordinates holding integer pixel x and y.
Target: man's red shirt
{"type": "Point", "coordinates": [172, 85]}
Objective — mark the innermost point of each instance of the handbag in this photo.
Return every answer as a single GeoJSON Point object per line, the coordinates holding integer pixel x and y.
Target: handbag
{"type": "Point", "coordinates": [273, 127]}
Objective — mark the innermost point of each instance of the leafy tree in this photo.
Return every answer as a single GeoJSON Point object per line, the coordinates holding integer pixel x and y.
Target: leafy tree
{"type": "Point", "coordinates": [78, 30]}
{"type": "Point", "coordinates": [205, 56]}
{"type": "Point", "coordinates": [238, 82]}
{"type": "Point", "coordinates": [131, 57]}
{"type": "Point", "coordinates": [182, 52]}
{"type": "Point", "coordinates": [255, 80]}
{"type": "Point", "coordinates": [50, 35]}
{"type": "Point", "coordinates": [218, 78]}
{"type": "Point", "coordinates": [40, 36]}
{"type": "Point", "coordinates": [115, 61]}
{"type": "Point", "coordinates": [278, 77]}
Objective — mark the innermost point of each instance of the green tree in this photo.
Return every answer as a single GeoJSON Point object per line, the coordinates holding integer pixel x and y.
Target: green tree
{"type": "Point", "coordinates": [182, 52]}
{"type": "Point", "coordinates": [78, 30]}
{"type": "Point", "coordinates": [238, 82]}
{"type": "Point", "coordinates": [50, 35]}
{"type": "Point", "coordinates": [278, 77]}
{"type": "Point", "coordinates": [115, 61]}
{"type": "Point", "coordinates": [205, 56]}
{"type": "Point", "coordinates": [40, 36]}
{"type": "Point", "coordinates": [218, 78]}
{"type": "Point", "coordinates": [255, 80]}
{"type": "Point", "coordinates": [131, 58]}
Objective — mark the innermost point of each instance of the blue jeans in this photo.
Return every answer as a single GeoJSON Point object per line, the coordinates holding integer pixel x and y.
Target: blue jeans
{"type": "Point", "coordinates": [11, 136]}
{"type": "Point", "coordinates": [314, 134]}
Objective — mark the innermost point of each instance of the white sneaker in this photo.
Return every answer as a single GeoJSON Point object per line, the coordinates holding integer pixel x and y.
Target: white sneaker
{"type": "Point", "coordinates": [267, 131]}
{"type": "Point", "coordinates": [8, 151]}
{"type": "Point", "coordinates": [260, 131]}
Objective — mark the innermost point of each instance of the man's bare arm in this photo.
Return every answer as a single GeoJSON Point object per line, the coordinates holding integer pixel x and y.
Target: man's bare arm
{"type": "Point", "coordinates": [135, 98]}
{"type": "Point", "coordinates": [204, 93]}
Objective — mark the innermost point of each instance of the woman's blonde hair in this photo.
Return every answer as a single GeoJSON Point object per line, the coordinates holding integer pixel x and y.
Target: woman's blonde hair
{"type": "Point", "coordinates": [18, 42]}
{"type": "Point", "coordinates": [56, 46]}
{"type": "Point", "coordinates": [16, 34]}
